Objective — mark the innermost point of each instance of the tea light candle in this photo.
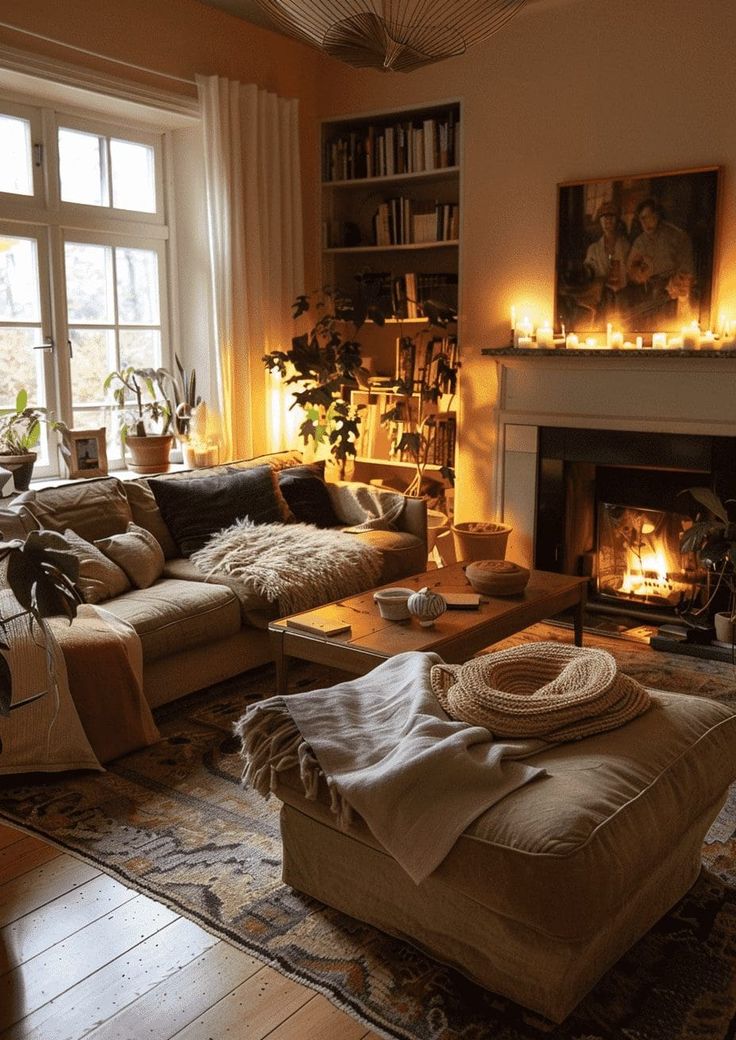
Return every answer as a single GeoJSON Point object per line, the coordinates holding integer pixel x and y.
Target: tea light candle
{"type": "Point", "coordinates": [524, 341]}
{"type": "Point", "coordinates": [522, 329]}
{"type": "Point", "coordinates": [675, 343]}
{"type": "Point", "coordinates": [545, 336]}
{"type": "Point", "coordinates": [616, 340]}
{"type": "Point", "coordinates": [572, 341]}
{"type": "Point", "coordinates": [659, 340]}
{"type": "Point", "coordinates": [591, 341]}
{"type": "Point", "coordinates": [628, 345]}
{"type": "Point", "coordinates": [709, 340]}
{"type": "Point", "coordinates": [691, 336]}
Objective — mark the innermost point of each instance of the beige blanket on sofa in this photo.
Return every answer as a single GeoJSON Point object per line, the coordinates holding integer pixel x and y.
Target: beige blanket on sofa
{"type": "Point", "coordinates": [388, 753]}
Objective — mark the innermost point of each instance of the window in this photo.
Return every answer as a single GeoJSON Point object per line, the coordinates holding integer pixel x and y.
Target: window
{"type": "Point", "coordinates": [83, 263]}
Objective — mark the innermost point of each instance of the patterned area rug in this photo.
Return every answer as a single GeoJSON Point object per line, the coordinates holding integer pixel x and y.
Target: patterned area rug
{"type": "Point", "coordinates": [172, 822]}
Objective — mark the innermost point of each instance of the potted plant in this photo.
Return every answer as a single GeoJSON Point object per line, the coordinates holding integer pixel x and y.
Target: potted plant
{"type": "Point", "coordinates": [320, 363]}
{"type": "Point", "coordinates": [146, 416]}
{"type": "Point", "coordinates": [41, 577]}
{"type": "Point", "coordinates": [429, 375]}
{"type": "Point", "coordinates": [20, 432]}
{"type": "Point", "coordinates": [190, 413]}
{"type": "Point", "coordinates": [713, 540]}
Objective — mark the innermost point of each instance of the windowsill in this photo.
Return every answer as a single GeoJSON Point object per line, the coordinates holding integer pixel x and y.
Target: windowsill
{"type": "Point", "coordinates": [120, 474]}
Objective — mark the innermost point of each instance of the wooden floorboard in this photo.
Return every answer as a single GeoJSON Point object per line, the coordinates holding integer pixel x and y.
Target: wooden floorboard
{"type": "Point", "coordinates": [82, 957]}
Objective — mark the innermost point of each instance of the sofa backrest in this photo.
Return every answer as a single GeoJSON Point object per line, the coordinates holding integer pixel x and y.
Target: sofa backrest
{"type": "Point", "coordinates": [93, 509]}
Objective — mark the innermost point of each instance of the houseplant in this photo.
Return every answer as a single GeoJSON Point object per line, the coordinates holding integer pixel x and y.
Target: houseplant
{"type": "Point", "coordinates": [320, 363]}
{"type": "Point", "coordinates": [713, 540]}
{"type": "Point", "coordinates": [20, 432]}
{"type": "Point", "coordinates": [41, 577]}
{"type": "Point", "coordinates": [146, 416]}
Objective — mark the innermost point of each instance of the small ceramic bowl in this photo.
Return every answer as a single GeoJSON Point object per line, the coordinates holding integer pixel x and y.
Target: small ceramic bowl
{"type": "Point", "coordinates": [392, 603]}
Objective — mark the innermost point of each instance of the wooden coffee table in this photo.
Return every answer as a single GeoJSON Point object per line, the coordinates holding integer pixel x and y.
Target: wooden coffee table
{"type": "Point", "coordinates": [455, 636]}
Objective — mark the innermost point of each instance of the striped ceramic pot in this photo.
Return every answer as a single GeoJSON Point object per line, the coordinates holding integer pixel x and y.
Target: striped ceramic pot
{"type": "Point", "coordinates": [426, 606]}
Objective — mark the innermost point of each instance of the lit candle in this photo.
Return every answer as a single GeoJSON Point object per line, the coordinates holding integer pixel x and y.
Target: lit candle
{"type": "Point", "coordinates": [691, 336]}
{"type": "Point", "coordinates": [659, 340]}
{"type": "Point", "coordinates": [628, 345]}
{"type": "Point", "coordinates": [591, 341]}
{"type": "Point", "coordinates": [524, 342]}
{"type": "Point", "coordinates": [545, 336]}
{"type": "Point", "coordinates": [522, 329]}
{"type": "Point", "coordinates": [616, 340]}
{"type": "Point", "coordinates": [675, 343]}
{"type": "Point", "coordinates": [571, 341]}
{"type": "Point", "coordinates": [609, 330]}
{"type": "Point", "coordinates": [708, 341]}
{"type": "Point", "coordinates": [639, 342]}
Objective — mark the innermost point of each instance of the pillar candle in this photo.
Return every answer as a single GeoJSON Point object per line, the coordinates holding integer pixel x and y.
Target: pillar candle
{"type": "Point", "coordinates": [572, 341]}
{"type": "Point", "coordinates": [659, 340]}
{"type": "Point", "coordinates": [545, 336]}
{"type": "Point", "coordinates": [691, 337]}
{"type": "Point", "coordinates": [522, 329]}
{"type": "Point", "coordinates": [616, 340]}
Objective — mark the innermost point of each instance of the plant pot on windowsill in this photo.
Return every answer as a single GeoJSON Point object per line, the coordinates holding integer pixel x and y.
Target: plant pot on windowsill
{"type": "Point", "coordinates": [21, 466]}
{"type": "Point", "coordinates": [149, 454]}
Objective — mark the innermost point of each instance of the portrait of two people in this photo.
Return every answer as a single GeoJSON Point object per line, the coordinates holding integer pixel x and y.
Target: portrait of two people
{"type": "Point", "coordinates": [636, 252]}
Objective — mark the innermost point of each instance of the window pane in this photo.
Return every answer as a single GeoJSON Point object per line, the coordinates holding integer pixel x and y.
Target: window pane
{"type": "Point", "coordinates": [89, 292]}
{"type": "Point", "coordinates": [93, 357]}
{"type": "Point", "coordinates": [20, 365]}
{"type": "Point", "coordinates": [16, 172]}
{"type": "Point", "coordinates": [83, 168]}
{"type": "Point", "coordinates": [137, 275]}
{"type": "Point", "coordinates": [140, 348]}
{"type": "Point", "coordinates": [133, 181]}
{"type": "Point", "coordinates": [19, 292]}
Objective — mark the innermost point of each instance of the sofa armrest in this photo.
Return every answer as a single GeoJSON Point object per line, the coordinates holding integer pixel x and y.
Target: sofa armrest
{"type": "Point", "coordinates": [411, 520]}
{"type": "Point", "coordinates": [414, 518]}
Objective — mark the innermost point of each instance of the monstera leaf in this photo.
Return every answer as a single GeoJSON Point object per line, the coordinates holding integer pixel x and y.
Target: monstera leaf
{"type": "Point", "coordinates": [41, 573]}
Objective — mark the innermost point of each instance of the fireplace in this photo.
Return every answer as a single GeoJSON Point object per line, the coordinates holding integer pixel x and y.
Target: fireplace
{"type": "Point", "coordinates": [612, 506]}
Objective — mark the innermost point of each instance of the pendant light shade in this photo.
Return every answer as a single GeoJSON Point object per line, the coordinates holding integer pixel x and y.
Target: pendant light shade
{"type": "Point", "coordinates": [396, 35]}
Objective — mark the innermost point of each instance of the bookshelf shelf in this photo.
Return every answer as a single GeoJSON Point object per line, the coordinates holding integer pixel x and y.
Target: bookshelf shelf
{"type": "Point", "coordinates": [401, 247]}
{"type": "Point", "coordinates": [397, 178]}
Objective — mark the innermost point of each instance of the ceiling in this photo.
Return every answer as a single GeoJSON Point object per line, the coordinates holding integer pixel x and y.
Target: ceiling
{"type": "Point", "coordinates": [250, 10]}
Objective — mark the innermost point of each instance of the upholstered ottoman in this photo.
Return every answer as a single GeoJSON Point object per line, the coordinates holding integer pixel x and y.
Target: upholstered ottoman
{"type": "Point", "coordinates": [549, 887]}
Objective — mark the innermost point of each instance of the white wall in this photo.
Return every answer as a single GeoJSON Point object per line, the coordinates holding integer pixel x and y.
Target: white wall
{"type": "Point", "coordinates": [570, 89]}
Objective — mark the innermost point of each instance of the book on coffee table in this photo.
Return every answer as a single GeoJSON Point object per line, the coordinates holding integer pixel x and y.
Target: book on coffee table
{"type": "Point", "coordinates": [461, 600]}
{"type": "Point", "coordinates": [317, 624]}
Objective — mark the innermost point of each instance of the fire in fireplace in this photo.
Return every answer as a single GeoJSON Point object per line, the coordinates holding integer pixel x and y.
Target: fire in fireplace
{"type": "Point", "coordinates": [639, 558]}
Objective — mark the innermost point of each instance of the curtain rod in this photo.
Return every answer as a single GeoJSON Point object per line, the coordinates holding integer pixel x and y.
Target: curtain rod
{"type": "Point", "coordinates": [95, 54]}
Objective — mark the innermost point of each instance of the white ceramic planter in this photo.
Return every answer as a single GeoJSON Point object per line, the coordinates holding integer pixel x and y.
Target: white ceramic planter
{"type": "Point", "coordinates": [725, 628]}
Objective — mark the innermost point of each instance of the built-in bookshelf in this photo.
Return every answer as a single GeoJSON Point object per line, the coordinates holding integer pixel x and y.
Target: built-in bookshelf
{"type": "Point", "coordinates": [391, 223]}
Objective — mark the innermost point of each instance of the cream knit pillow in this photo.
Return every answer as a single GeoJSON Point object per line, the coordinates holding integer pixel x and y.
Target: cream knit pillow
{"type": "Point", "coordinates": [137, 552]}
{"type": "Point", "coordinates": [99, 578]}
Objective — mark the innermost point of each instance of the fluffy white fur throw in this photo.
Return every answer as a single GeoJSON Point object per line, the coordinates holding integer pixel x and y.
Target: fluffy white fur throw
{"type": "Point", "coordinates": [297, 566]}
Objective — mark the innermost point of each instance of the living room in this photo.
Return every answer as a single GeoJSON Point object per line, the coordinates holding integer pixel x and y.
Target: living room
{"type": "Point", "coordinates": [566, 91]}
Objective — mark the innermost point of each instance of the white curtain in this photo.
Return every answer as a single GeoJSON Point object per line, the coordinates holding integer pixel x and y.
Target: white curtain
{"type": "Point", "coordinates": [254, 211]}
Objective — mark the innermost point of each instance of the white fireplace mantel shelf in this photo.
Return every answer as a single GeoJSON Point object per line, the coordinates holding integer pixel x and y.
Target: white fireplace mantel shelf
{"type": "Point", "coordinates": [634, 354]}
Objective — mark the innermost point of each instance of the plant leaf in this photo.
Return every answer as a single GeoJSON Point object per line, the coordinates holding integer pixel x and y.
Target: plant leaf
{"type": "Point", "coordinates": [711, 501]}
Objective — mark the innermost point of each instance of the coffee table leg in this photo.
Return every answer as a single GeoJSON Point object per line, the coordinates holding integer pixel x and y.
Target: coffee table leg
{"type": "Point", "coordinates": [280, 660]}
{"type": "Point", "coordinates": [578, 616]}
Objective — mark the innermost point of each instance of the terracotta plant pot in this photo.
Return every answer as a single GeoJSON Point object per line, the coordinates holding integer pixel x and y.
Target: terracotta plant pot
{"type": "Point", "coordinates": [21, 466]}
{"type": "Point", "coordinates": [725, 628]}
{"type": "Point", "coordinates": [149, 454]}
{"type": "Point", "coordinates": [481, 540]}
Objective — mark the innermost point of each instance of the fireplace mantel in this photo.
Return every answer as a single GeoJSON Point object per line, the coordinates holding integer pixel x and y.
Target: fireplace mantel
{"type": "Point", "coordinates": [637, 390]}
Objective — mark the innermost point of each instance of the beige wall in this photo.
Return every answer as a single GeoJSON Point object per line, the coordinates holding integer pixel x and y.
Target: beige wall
{"type": "Point", "coordinates": [569, 89]}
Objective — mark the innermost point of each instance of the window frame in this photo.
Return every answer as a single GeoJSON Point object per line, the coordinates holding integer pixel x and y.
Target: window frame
{"type": "Point", "coordinates": [26, 205]}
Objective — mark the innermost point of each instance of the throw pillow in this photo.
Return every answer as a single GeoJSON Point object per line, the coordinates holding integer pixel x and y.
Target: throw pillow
{"type": "Point", "coordinates": [99, 578]}
{"type": "Point", "coordinates": [195, 509]}
{"type": "Point", "coordinates": [137, 553]}
{"type": "Point", "coordinates": [306, 493]}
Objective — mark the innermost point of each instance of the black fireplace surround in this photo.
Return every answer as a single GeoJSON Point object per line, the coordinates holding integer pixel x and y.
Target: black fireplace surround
{"type": "Point", "coordinates": [579, 468]}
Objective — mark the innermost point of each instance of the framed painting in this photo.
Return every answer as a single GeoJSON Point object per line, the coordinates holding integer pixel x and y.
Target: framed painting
{"type": "Point", "coordinates": [85, 452]}
{"type": "Point", "coordinates": [636, 252]}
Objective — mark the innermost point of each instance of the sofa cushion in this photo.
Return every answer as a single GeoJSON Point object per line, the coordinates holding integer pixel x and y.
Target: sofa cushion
{"type": "Point", "coordinates": [307, 496]}
{"type": "Point", "coordinates": [184, 569]}
{"type": "Point", "coordinates": [194, 509]}
{"type": "Point", "coordinates": [402, 554]}
{"type": "Point", "coordinates": [137, 552]}
{"type": "Point", "coordinates": [91, 508]}
{"type": "Point", "coordinates": [174, 615]}
{"type": "Point", "coordinates": [99, 577]}
{"type": "Point", "coordinates": [146, 513]}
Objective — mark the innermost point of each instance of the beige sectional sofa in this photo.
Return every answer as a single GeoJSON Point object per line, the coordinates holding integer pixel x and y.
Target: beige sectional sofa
{"type": "Point", "coordinates": [193, 632]}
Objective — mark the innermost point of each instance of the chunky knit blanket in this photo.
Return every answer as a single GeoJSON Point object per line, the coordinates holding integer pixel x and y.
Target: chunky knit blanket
{"type": "Point", "coordinates": [389, 753]}
{"type": "Point", "coordinates": [551, 691]}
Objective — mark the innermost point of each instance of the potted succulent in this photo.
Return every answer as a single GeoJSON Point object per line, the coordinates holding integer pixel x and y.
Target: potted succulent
{"type": "Point", "coordinates": [713, 540]}
{"type": "Point", "coordinates": [190, 413]}
{"type": "Point", "coordinates": [146, 416]}
{"type": "Point", "coordinates": [20, 432]}
{"type": "Point", "coordinates": [319, 365]}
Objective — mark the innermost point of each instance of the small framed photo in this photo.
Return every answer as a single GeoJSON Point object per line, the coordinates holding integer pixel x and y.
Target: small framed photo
{"type": "Point", "coordinates": [85, 452]}
{"type": "Point", "coordinates": [637, 251]}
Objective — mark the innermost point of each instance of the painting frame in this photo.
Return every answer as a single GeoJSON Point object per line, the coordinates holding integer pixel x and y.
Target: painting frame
{"type": "Point", "coordinates": [637, 251]}
{"type": "Point", "coordinates": [85, 453]}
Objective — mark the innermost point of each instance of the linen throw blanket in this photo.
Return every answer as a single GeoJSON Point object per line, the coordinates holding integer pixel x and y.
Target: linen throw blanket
{"type": "Point", "coordinates": [389, 753]}
{"type": "Point", "coordinates": [297, 566]}
{"type": "Point", "coordinates": [365, 507]}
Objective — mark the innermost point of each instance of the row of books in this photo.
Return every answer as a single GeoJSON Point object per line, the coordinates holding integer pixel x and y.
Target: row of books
{"type": "Point", "coordinates": [438, 447]}
{"type": "Point", "coordinates": [410, 290]}
{"type": "Point", "coordinates": [401, 220]}
{"type": "Point", "coordinates": [416, 364]}
{"type": "Point", "coordinates": [378, 438]}
{"type": "Point", "coordinates": [407, 146]}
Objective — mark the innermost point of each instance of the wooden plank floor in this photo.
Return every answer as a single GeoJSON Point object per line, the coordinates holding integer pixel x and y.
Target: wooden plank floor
{"type": "Point", "coordinates": [83, 956]}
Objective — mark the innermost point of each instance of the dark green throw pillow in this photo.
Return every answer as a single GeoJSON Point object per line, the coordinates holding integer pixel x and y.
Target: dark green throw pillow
{"type": "Point", "coordinates": [195, 509]}
{"type": "Point", "coordinates": [307, 496]}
